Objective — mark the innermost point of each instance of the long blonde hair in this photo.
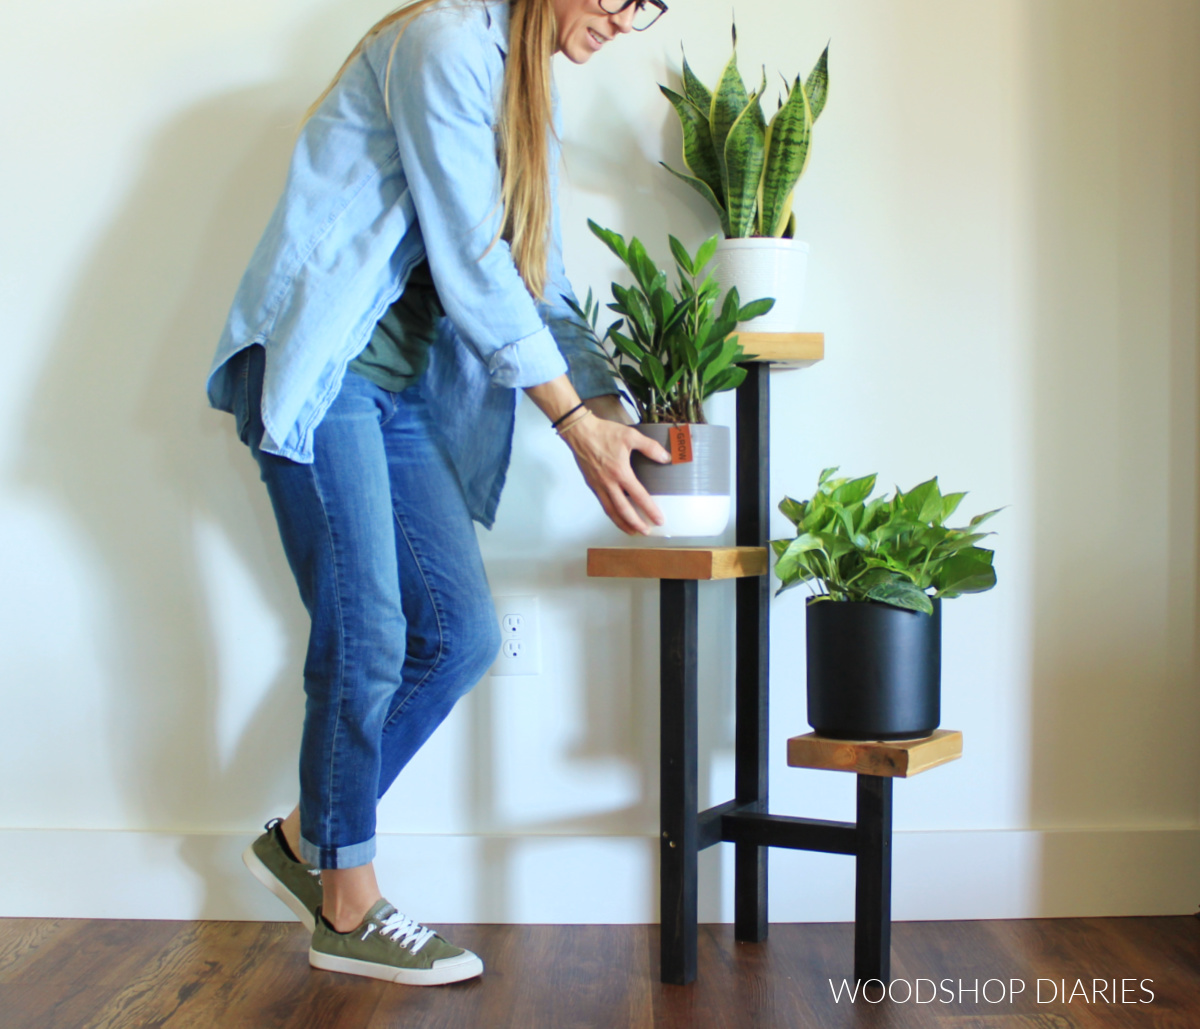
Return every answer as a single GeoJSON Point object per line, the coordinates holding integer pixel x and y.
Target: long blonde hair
{"type": "Point", "coordinates": [526, 121]}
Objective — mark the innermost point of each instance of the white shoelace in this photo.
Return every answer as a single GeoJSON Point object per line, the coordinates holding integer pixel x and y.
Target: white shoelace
{"type": "Point", "coordinates": [403, 930]}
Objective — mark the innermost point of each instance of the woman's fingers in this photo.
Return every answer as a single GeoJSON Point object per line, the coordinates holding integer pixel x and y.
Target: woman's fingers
{"type": "Point", "coordinates": [651, 448]}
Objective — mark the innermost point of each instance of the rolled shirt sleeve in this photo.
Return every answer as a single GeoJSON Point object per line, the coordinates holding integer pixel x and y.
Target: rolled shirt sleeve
{"type": "Point", "coordinates": [442, 94]}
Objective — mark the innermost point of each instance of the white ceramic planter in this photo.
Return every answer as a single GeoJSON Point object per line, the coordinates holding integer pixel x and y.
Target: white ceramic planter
{"type": "Point", "coordinates": [694, 497]}
{"type": "Point", "coordinates": [762, 267]}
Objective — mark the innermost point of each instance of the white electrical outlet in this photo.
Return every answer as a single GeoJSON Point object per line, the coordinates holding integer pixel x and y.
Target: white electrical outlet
{"type": "Point", "coordinates": [521, 642]}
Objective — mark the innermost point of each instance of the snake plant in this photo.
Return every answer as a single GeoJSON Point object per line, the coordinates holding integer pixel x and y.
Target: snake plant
{"type": "Point", "coordinates": [744, 166]}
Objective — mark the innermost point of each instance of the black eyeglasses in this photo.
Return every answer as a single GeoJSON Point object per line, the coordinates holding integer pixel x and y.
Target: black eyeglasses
{"type": "Point", "coordinates": [645, 12]}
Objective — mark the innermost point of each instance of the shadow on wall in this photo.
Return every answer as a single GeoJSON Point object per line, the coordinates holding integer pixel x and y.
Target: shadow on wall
{"type": "Point", "coordinates": [1115, 420]}
{"type": "Point", "coordinates": [125, 443]}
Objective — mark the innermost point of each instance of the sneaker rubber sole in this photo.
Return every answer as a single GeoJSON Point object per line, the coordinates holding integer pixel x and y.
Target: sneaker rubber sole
{"type": "Point", "coordinates": [264, 875]}
{"type": "Point", "coordinates": [447, 970]}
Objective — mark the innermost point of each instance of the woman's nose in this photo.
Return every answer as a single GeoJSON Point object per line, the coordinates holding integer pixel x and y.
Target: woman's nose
{"type": "Point", "coordinates": [623, 21]}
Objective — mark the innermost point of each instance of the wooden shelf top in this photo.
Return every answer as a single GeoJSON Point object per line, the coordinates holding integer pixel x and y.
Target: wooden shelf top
{"type": "Point", "coordinates": [787, 349]}
{"type": "Point", "coordinates": [676, 562]}
{"type": "Point", "coordinates": [899, 758]}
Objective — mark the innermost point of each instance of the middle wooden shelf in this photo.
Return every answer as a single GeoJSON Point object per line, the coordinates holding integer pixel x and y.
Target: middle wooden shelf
{"type": "Point", "coordinates": [676, 562]}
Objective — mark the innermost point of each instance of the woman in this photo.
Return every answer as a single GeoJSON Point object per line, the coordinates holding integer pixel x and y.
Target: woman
{"type": "Point", "coordinates": [408, 282]}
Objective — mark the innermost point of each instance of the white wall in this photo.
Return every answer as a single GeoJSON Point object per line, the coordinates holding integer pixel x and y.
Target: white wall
{"type": "Point", "coordinates": [1002, 210]}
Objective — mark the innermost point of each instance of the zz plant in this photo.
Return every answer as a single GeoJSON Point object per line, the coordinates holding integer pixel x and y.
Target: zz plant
{"type": "Point", "coordinates": [671, 352]}
{"type": "Point", "coordinates": [893, 550]}
{"type": "Point", "coordinates": [746, 168]}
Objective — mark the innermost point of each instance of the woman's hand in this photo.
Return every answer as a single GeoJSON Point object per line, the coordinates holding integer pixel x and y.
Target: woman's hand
{"type": "Point", "coordinates": [602, 447]}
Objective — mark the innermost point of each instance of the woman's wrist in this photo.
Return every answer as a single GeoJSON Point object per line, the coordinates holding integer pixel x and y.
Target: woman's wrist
{"type": "Point", "coordinates": [573, 423]}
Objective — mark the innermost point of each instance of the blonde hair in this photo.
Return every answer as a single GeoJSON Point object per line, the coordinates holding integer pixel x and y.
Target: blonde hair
{"type": "Point", "coordinates": [526, 121]}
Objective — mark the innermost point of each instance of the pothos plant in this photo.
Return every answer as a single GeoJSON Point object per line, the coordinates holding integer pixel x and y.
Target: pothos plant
{"type": "Point", "coordinates": [670, 351]}
{"type": "Point", "coordinates": [744, 166]}
{"type": "Point", "coordinates": [896, 550]}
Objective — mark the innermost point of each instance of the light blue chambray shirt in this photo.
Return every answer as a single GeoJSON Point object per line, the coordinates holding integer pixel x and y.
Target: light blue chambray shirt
{"type": "Point", "coordinates": [367, 196]}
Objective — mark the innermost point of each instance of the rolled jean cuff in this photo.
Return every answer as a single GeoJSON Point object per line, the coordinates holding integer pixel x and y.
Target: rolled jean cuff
{"type": "Point", "coordinates": [338, 857]}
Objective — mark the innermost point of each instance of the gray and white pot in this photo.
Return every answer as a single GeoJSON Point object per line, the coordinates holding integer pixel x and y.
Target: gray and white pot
{"type": "Point", "coordinates": [765, 267]}
{"type": "Point", "coordinates": [694, 496]}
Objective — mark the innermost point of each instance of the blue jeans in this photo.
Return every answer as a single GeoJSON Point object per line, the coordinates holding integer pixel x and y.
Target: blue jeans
{"type": "Point", "coordinates": [377, 534]}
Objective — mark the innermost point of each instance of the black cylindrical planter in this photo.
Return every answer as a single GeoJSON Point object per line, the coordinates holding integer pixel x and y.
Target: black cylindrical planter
{"type": "Point", "coordinates": [874, 671]}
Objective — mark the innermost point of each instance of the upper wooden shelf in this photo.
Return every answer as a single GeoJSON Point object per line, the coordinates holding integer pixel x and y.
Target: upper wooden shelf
{"type": "Point", "coordinates": [787, 349]}
{"type": "Point", "coordinates": [676, 562]}
{"type": "Point", "coordinates": [898, 758]}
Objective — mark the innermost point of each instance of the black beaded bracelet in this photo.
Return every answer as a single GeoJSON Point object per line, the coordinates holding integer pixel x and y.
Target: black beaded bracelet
{"type": "Point", "coordinates": [558, 421]}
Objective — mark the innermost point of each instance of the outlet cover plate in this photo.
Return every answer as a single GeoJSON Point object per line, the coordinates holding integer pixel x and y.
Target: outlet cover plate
{"type": "Point", "coordinates": [520, 636]}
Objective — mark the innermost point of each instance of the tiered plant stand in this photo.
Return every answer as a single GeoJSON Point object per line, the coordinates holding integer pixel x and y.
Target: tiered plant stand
{"type": "Point", "coordinates": [745, 820]}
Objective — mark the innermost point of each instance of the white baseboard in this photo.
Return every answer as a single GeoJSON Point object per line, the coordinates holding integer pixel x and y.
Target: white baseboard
{"type": "Point", "coordinates": [611, 879]}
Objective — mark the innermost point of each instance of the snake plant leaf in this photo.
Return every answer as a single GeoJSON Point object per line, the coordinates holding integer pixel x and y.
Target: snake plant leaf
{"type": "Point", "coordinates": [698, 153]}
{"type": "Point", "coordinates": [744, 156]}
{"type": "Point", "coordinates": [695, 90]}
{"type": "Point", "coordinates": [703, 189]}
{"type": "Point", "coordinates": [787, 145]}
{"type": "Point", "coordinates": [817, 86]}
{"type": "Point", "coordinates": [729, 101]}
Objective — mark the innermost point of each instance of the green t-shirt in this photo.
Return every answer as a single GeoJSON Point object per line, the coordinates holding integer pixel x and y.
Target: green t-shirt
{"type": "Point", "coordinates": [398, 350]}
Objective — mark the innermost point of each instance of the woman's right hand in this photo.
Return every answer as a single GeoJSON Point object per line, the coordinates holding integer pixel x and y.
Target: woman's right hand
{"type": "Point", "coordinates": [602, 450]}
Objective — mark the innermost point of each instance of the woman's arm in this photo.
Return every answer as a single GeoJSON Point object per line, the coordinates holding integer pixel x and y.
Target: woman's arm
{"type": "Point", "coordinates": [442, 93]}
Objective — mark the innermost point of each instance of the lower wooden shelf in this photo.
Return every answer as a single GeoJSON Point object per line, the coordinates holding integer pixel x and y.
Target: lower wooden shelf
{"type": "Point", "coordinates": [895, 758]}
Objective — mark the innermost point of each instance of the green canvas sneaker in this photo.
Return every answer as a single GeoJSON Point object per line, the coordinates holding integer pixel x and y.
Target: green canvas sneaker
{"type": "Point", "coordinates": [294, 882]}
{"type": "Point", "coordinates": [389, 946]}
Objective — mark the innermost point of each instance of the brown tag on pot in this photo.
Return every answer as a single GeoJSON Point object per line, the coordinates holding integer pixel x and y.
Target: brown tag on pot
{"type": "Point", "coordinates": [679, 439]}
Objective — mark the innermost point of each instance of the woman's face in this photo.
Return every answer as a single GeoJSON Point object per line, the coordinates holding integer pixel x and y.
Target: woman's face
{"type": "Point", "coordinates": [584, 27]}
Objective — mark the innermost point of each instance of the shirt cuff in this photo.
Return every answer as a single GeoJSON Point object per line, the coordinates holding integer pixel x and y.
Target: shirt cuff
{"type": "Point", "coordinates": [527, 362]}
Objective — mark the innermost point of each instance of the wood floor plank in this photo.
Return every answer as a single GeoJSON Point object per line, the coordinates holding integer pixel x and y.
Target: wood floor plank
{"type": "Point", "coordinates": [98, 952]}
{"type": "Point", "coordinates": [61, 1005]}
{"type": "Point", "coordinates": [241, 975]}
{"type": "Point", "coordinates": [21, 939]}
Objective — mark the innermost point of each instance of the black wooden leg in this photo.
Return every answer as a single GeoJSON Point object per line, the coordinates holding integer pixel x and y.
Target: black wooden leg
{"type": "Point", "coordinates": [678, 791]}
{"type": "Point", "coordinates": [753, 610]}
{"type": "Point", "coordinates": [873, 880]}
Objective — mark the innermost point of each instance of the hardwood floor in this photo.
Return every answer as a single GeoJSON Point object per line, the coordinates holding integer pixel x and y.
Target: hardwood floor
{"type": "Point", "coordinates": [71, 974]}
